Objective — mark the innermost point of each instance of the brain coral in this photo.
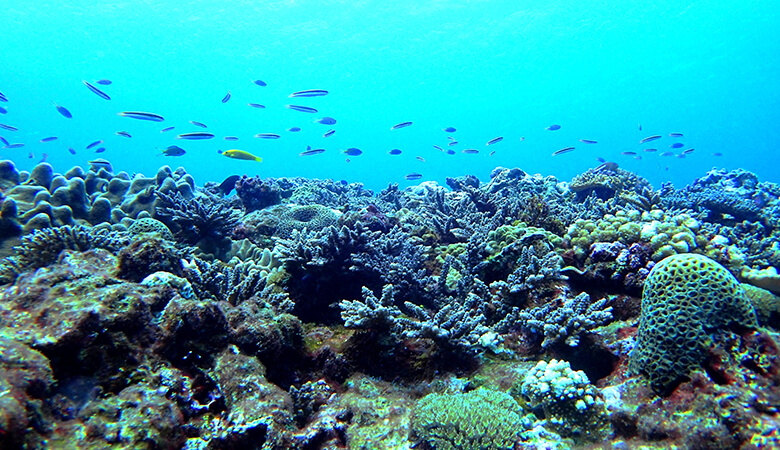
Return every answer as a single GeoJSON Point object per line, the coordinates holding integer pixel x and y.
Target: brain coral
{"type": "Point", "coordinates": [311, 217]}
{"type": "Point", "coordinates": [685, 296]}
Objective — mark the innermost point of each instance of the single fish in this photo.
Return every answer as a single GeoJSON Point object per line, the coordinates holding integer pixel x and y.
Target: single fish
{"type": "Point", "coordinates": [681, 156]}
{"type": "Point", "coordinates": [562, 151]}
{"type": "Point", "coordinates": [676, 145]}
{"type": "Point", "coordinates": [492, 153]}
{"type": "Point", "coordinates": [329, 133]}
{"type": "Point", "coordinates": [310, 93]}
{"type": "Point", "coordinates": [628, 153]}
{"type": "Point", "coordinates": [450, 130]}
{"type": "Point", "coordinates": [198, 124]}
{"type": "Point", "coordinates": [294, 129]}
{"type": "Point", "coordinates": [470, 151]}
{"type": "Point", "coordinates": [3, 98]}
{"type": "Point", "coordinates": [400, 125]}
{"type": "Point", "coordinates": [312, 151]}
{"type": "Point", "coordinates": [450, 151]}
{"type": "Point", "coordinates": [17, 145]}
{"type": "Point", "coordinates": [717, 154]}
{"type": "Point", "coordinates": [256, 105]}
{"type": "Point", "coordinates": [394, 151]}
{"type": "Point", "coordinates": [553, 127]}
{"type": "Point", "coordinates": [173, 150]}
{"type": "Point", "coordinates": [94, 144]}
{"type": "Point", "coordinates": [49, 139]}
{"type": "Point", "coordinates": [100, 163]}
{"type": "Point", "coordinates": [438, 148]}
{"type": "Point", "coordinates": [588, 141]}
{"type": "Point", "coordinates": [267, 136]}
{"type": "Point", "coordinates": [103, 82]}
{"type": "Point", "coordinates": [63, 110]}
{"type": "Point", "coordinates": [2, 139]}
{"type": "Point", "coordinates": [226, 97]}
{"type": "Point", "coordinates": [166, 129]}
{"type": "Point", "coordinates": [228, 185]}
{"type": "Point", "coordinates": [688, 150]}
{"type": "Point", "coordinates": [31, 156]}
{"type": "Point", "coordinates": [650, 150]}
{"type": "Point", "coordinates": [100, 150]}
{"type": "Point", "coordinates": [650, 139]}
{"type": "Point", "coordinates": [326, 121]}
{"type": "Point", "coordinates": [453, 143]}
{"type": "Point", "coordinates": [600, 159]}
{"type": "Point", "coordinates": [606, 166]}
{"type": "Point", "coordinates": [72, 152]}
{"type": "Point", "coordinates": [43, 157]}
{"type": "Point", "coordinates": [450, 138]}
{"type": "Point", "coordinates": [305, 109]}
{"type": "Point", "coordinates": [195, 136]}
{"type": "Point", "coordinates": [413, 176]}
{"type": "Point", "coordinates": [667, 153]}
{"type": "Point", "coordinates": [637, 157]}
{"type": "Point", "coordinates": [420, 158]}
{"type": "Point", "coordinates": [95, 90]}
{"type": "Point", "coordinates": [231, 138]}
{"type": "Point", "coordinates": [675, 135]}
{"type": "Point", "coordinates": [260, 83]}
{"type": "Point", "coordinates": [352, 151]}
{"type": "Point", "coordinates": [8, 127]}
{"type": "Point", "coordinates": [140, 115]}
{"type": "Point", "coordinates": [3, 110]}
{"type": "Point", "coordinates": [240, 154]}
{"type": "Point", "coordinates": [640, 127]}
{"type": "Point", "coordinates": [124, 133]}
{"type": "Point", "coordinates": [495, 140]}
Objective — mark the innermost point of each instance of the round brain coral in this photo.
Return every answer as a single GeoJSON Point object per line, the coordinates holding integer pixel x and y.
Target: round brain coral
{"type": "Point", "coordinates": [685, 297]}
{"type": "Point", "coordinates": [311, 217]}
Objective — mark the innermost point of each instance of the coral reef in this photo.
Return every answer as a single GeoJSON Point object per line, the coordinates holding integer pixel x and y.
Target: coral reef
{"type": "Point", "coordinates": [148, 312]}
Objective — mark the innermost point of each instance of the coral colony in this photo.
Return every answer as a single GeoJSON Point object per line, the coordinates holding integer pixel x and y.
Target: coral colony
{"type": "Point", "coordinates": [519, 313]}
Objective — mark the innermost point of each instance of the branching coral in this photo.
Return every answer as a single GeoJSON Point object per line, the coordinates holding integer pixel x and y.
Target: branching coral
{"type": "Point", "coordinates": [198, 221]}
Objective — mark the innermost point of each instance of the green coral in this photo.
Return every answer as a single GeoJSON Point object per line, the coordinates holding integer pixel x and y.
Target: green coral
{"type": "Point", "coordinates": [685, 298]}
{"type": "Point", "coordinates": [311, 217]}
{"type": "Point", "coordinates": [665, 234]}
{"type": "Point", "coordinates": [482, 419]}
{"type": "Point", "coordinates": [149, 225]}
{"type": "Point", "coordinates": [766, 304]}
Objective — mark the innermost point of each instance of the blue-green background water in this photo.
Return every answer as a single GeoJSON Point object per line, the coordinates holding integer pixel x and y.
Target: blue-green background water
{"type": "Point", "coordinates": [708, 69]}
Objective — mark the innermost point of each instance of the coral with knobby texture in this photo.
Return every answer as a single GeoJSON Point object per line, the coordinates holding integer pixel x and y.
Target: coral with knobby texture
{"type": "Point", "coordinates": [257, 193]}
{"type": "Point", "coordinates": [481, 419]}
{"type": "Point", "coordinates": [572, 406]}
{"type": "Point", "coordinates": [146, 255]}
{"type": "Point", "coordinates": [686, 298]}
{"type": "Point", "coordinates": [561, 320]}
{"type": "Point", "coordinates": [44, 246]}
{"type": "Point", "coordinates": [607, 184]}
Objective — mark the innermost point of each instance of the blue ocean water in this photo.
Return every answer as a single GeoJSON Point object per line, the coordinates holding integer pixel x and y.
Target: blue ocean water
{"type": "Point", "coordinates": [510, 68]}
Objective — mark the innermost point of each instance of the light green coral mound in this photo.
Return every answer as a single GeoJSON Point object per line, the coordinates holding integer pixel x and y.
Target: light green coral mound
{"type": "Point", "coordinates": [482, 419]}
{"type": "Point", "coordinates": [666, 235]}
{"type": "Point", "coordinates": [685, 297]}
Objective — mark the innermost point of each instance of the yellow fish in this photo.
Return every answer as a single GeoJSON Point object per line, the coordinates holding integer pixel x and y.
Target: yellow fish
{"type": "Point", "coordinates": [240, 154]}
